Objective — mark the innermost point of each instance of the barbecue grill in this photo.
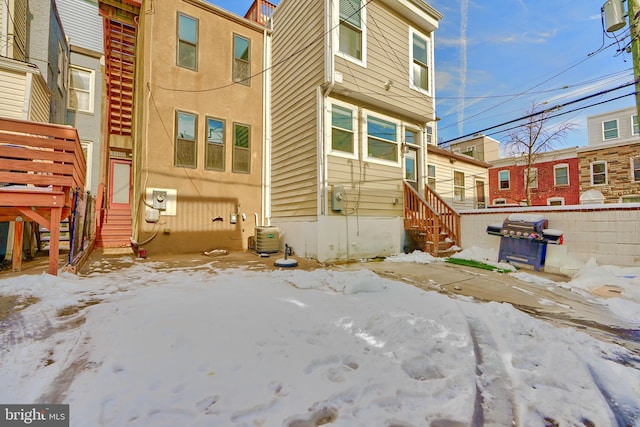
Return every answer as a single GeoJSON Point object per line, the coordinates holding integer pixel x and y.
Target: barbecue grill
{"type": "Point", "coordinates": [524, 239]}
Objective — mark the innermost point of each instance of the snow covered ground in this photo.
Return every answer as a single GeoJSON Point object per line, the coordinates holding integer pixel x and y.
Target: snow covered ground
{"type": "Point", "coordinates": [157, 346]}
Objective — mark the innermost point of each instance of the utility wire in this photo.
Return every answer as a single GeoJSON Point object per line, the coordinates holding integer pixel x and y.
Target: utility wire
{"type": "Point", "coordinates": [546, 110]}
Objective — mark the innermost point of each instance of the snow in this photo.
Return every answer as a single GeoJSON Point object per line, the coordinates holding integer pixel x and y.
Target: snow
{"type": "Point", "coordinates": [205, 346]}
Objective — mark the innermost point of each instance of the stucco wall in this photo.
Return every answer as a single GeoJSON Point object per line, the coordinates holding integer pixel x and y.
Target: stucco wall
{"type": "Point", "coordinates": [608, 233]}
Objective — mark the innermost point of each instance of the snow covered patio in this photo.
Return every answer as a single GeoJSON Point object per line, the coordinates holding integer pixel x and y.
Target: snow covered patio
{"type": "Point", "coordinates": [214, 343]}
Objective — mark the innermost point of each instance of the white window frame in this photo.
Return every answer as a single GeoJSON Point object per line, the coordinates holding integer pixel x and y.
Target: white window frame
{"type": "Point", "coordinates": [555, 177]}
{"type": "Point", "coordinates": [527, 175]}
{"type": "Point", "coordinates": [365, 139]}
{"type": "Point", "coordinates": [499, 202]}
{"type": "Point", "coordinates": [88, 145]}
{"type": "Point", "coordinates": [606, 173]}
{"type": "Point", "coordinates": [604, 138]}
{"type": "Point", "coordinates": [431, 177]}
{"type": "Point", "coordinates": [355, 125]}
{"type": "Point", "coordinates": [336, 37]}
{"type": "Point", "coordinates": [426, 91]}
{"type": "Point", "coordinates": [635, 126]}
{"type": "Point", "coordinates": [508, 179]}
{"type": "Point", "coordinates": [632, 160]}
{"type": "Point", "coordinates": [555, 199]}
{"type": "Point", "coordinates": [91, 91]}
{"type": "Point", "coordinates": [456, 187]}
{"type": "Point", "coordinates": [629, 196]}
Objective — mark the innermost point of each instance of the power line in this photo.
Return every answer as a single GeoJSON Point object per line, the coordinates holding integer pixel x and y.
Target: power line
{"type": "Point", "coordinates": [546, 110]}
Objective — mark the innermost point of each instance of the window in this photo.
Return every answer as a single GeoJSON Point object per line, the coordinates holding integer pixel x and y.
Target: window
{"type": "Point", "coordinates": [342, 129]}
{"type": "Point", "coordinates": [531, 177]}
{"type": "Point", "coordinates": [81, 82]}
{"type": "Point", "coordinates": [214, 152]}
{"type": "Point", "coordinates": [382, 142]}
{"type": "Point", "coordinates": [241, 60]}
{"type": "Point", "coordinates": [469, 151]}
{"type": "Point", "coordinates": [411, 137]}
{"type": "Point", "coordinates": [241, 148]}
{"type": "Point", "coordinates": [87, 150]}
{"type": "Point", "coordinates": [419, 62]}
{"type": "Point", "coordinates": [635, 169]}
{"type": "Point", "coordinates": [561, 175]}
{"type": "Point", "coordinates": [630, 199]}
{"type": "Point", "coordinates": [187, 42]}
{"type": "Point", "coordinates": [429, 135]}
{"type": "Point", "coordinates": [186, 130]}
{"type": "Point", "coordinates": [598, 173]}
{"type": "Point", "coordinates": [458, 186]}
{"type": "Point", "coordinates": [503, 180]}
{"type": "Point", "coordinates": [555, 201]}
{"type": "Point", "coordinates": [498, 202]}
{"type": "Point", "coordinates": [610, 129]}
{"type": "Point", "coordinates": [635, 130]}
{"type": "Point", "coordinates": [431, 176]}
{"type": "Point", "coordinates": [350, 32]}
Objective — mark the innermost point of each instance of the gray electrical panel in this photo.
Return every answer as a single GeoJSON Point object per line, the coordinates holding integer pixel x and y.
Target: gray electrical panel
{"type": "Point", "coordinates": [337, 197]}
{"type": "Point", "coordinates": [159, 200]}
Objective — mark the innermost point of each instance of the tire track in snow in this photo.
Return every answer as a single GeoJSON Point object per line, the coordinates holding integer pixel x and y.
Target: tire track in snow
{"type": "Point", "coordinates": [494, 404]}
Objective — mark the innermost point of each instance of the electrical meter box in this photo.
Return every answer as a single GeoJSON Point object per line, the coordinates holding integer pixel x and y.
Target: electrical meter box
{"type": "Point", "coordinates": [159, 199]}
{"type": "Point", "coordinates": [337, 196]}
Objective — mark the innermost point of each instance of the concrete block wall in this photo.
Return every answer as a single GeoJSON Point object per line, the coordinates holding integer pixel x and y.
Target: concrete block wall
{"type": "Point", "coordinates": [608, 233]}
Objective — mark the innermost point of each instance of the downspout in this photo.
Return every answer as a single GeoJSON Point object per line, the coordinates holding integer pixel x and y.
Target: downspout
{"type": "Point", "coordinates": [324, 91]}
{"type": "Point", "coordinates": [266, 131]}
{"type": "Point", "coordinates": [4, 31]}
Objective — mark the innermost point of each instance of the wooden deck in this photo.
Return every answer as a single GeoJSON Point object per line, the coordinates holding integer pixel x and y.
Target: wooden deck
{"type": "Point", "coordinates": [41, 165]}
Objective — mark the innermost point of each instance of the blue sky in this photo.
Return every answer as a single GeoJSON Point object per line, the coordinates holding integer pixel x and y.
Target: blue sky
{"type": "Point", "coordinates": [494, 58]}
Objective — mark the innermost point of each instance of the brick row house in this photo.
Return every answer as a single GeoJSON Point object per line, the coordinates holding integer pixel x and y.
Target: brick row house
{"type": "Point", "coordinates": [606, 170]}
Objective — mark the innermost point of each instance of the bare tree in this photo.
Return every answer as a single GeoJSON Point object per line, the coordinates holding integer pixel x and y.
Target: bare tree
{"type": "Point", "coordinates": [532, 139]}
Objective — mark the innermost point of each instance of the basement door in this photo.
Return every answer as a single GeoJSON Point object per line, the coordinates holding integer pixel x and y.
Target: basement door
{"type": "Point", "coordinates": [119, 184]}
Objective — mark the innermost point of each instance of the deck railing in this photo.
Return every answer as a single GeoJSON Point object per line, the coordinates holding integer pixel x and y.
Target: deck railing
{"type": "Point", "coordinates": [449, 218]}
{"type": "Point", "coordinates": [260, 11]}
{"type": "Point", "coordinates": [421, 219]}
{"type": "Point", "coordinates": [41, 155]}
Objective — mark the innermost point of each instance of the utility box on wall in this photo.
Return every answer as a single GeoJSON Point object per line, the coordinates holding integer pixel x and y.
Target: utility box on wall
{"type": "Point", "coordinates": [162, 199]}
{"type": "Point", "coordinates": [337, 197]}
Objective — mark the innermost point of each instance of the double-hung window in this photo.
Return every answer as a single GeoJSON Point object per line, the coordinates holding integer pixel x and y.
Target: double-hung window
{"type": "Point", "coordinates": [598, 173]}
{"type": "Point", "coordinates": [350, 31]}
{"type": "Point", "coordinates": [187, 42]}
{"type": "Point", "coordinates": [635, 169]}
{"type": "Point", "coordinates": [81, 82]}
{"type": "Point", "coordinates": [610, 129]}
{"type": "Point", "coordinates": [561, 175]}
{"type": "Point", "coordinates": [342, 129]}
{"type": "Point", "coordinates": [635, 129]}
{"type": "Point", "coordinates": [503, 180]}
{"type": "Point", "coordinates": [214, 153]}
{"type": "Point", "coordinates": [241, 60]}
{"type": "Point", "coordinates": [458, 186]}
{"type": "Point", "coordinates": [431, 176]}
{"type": "Point", "coordinates": [419, 62]}
{"type": "Point", "coordinates": [185, 139]}
{"type": "Point", "coordinates": [531, 177]}
{"type": "Point", "coordinates": [382, 139]}
{"type": "Point", "coordinates": [241, 148]}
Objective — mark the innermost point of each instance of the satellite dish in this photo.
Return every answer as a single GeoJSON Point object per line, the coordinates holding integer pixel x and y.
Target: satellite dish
{"type": "Point", "coordinates": [613, 15]}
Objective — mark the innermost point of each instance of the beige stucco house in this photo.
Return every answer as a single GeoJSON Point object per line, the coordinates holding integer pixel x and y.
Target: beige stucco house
{"type": "Point", "coordinates": [352, 110]}
{"type": "Point", "coordinates": [189, 169]}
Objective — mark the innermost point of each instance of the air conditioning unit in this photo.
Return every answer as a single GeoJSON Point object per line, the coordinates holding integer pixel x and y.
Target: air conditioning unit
{"type": "Point", "coordinates": [267, 239]}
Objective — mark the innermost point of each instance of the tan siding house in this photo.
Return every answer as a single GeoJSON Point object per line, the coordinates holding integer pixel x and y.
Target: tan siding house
{"type": "Point", "coordinates": [25, 94]}
{"type": "Point", "coordinates": [198, 151]}
{"type": "Point", "coordinates": [352, 97]}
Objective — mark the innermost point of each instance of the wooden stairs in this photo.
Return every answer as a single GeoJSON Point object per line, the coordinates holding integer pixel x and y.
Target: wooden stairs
{"type": "Point", "coordinates": [432, 224]}
{"type": "Point", "coordinates": [115, 231]}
